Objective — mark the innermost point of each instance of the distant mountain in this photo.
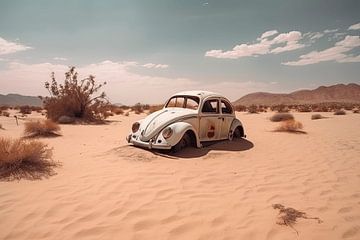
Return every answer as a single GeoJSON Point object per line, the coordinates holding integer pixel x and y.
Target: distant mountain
{"type": "Point", "coordinates": [349, 93]}
{"type": "Point", "coordinates": [18, 100]}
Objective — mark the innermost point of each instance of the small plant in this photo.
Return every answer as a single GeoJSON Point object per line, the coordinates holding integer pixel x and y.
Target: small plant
{"type": "Point", "coordinates": [356, 110]}
{"type": "Point", "coordinates": [46, 128]}
{"type": "Point", "coordinates": [138, 108]}
{"type": "Point", "coordinates": [339, 112]}
{"type": "Point", "coordinates": [290, 126]}
{"type": "Point", "coordinates": [126, 114]}
{"type": "Point", "coordinates": [240, 108]}
{"type": "Point", "coordinates": [278, 117]}
{"type": "Point", "coordinates": [253, 109]}
{"type": "Point", "coordinates": [25, 109]}
{"type": "Point", "coordinates": [117, 110]}
{"type": "Point", "coordinates": [5, 114]}
{"type": "Point", "coordinates": [316, 116]}
{"type": "Point", "coordinates": [289, 216]}
{"type": "Point", "coordinates": [26, 159]}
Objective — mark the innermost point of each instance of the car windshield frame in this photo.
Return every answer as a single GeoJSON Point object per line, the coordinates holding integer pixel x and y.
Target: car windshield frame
{"type": "Point", "coordinates": [185, 99]}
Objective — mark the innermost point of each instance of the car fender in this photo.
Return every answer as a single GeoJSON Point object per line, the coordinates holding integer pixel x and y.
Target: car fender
{"type": "Point", "coordinates": [179, 129]}
{"type": "Point", "coordinates": [236, 123]}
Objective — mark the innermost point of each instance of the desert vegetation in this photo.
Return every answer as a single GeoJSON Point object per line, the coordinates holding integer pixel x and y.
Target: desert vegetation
{"type": "Point", "coordinates": [154, 108]}
{"type": "Point", "coordinates": [75, 98]}
{"type": "Point", "coordinates": [45, 128]}
{"type": "Point", "coordinates": [290, 126]}
{"type": "Point", "coordinates": [340, 112]}
{"type": "Point", "coordinates": [316, 116]}
{"type": "Point", "coordinates": [278, 117]}
{"type": "Point", "coordinates": [5, 113]}
{"type": "Point", "coordinates": [27, 159]}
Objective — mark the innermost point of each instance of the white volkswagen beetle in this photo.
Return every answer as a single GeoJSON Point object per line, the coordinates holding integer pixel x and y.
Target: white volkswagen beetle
{"type": "Point", "coordinates": [188, 118]}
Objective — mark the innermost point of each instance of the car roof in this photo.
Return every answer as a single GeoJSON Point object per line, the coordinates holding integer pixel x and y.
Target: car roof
{"type": "Point", "coordinates": [198, 93]}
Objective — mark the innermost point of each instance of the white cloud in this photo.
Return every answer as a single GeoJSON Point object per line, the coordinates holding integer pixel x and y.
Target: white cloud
{"type": "Point", "coordinates": [290, 42]}
{"type": "Point", "coordinates": [123, 86]}
{"type": "Point", "coordinates": [316, 35]}
{"type": "Point", "coordinates": [153, 65]}
{"type": "Point", "coordinates": [355, 27]}
{"type": "Point", "coordinates": [60, 59]}
{"type": "Point", "coordinates": [338, 53]}
{"type": "Point", "coordinates": [330, 30]}
{"type": "Point", "coordinates": [7, 47]}
{"type": "Point", "coordinates": [268, 34]}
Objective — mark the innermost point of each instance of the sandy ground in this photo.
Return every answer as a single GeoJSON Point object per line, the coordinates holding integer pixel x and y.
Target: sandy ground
{"type": "Point", "coordinates": [107, 189]}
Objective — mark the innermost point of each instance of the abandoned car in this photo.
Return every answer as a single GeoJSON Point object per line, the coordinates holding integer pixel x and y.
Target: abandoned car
{"type": "Point", "coordinates": [187, 119]}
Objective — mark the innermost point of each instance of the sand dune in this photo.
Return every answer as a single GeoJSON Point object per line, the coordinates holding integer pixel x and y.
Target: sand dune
{"type": "Point", "coordinates": [107, 189]}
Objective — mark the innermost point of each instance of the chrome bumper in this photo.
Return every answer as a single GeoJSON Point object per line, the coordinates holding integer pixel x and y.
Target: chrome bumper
{"type": "Point", "coordinates": [149, 145]}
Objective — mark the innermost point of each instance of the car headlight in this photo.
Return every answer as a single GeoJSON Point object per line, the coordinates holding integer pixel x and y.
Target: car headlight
{"type": "Point", "coordinates": [135, 127]}
{"type": "Point", "coordinates": [168, 132]}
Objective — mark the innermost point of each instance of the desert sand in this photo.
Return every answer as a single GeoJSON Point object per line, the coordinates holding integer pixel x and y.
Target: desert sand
{"type": "Point", "coordinates": [107, 189]}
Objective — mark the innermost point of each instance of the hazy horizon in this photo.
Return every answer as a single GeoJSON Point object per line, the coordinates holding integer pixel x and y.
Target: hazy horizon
{"type": "Point", "coordinates": [147, 51]}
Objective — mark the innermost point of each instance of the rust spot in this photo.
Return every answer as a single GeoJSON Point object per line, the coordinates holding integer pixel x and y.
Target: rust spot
{"type": "Point", "coordinates": [211, 132]}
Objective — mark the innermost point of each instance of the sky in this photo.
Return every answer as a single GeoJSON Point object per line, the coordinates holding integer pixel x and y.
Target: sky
{"type": "Point", "coordinates": [148, 50]}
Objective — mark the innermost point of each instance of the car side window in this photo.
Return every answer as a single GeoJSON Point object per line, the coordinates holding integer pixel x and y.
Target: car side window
{"type": "Point", "coordinates": [210, 106]}
{"type": "Point", "coordinates": [226, 107]}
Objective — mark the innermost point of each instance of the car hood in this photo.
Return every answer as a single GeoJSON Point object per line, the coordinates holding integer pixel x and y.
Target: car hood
{"type": "Point", "coordinates": [155, 122]}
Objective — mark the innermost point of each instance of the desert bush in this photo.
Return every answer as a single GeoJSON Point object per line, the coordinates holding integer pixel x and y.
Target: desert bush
{"type": "Point", "coordinates": [278, 117]}
{"type": "Point", "coordinates": [240, 108]}
{"type": "Point", "coordinates": [356, 110]}
{"type": "Point", "coordinates": [252, 109]}
{"type": "Point", "coordinates": [281, 108]}
{"type": "Point", "coordinates": [137, 108]}
{"type": "Point", "coordinates": [126, 114]}
{"type": "Point", "coordinates": [46, 128]}
{"type": "Point", "coordinates": [5, 114]}
{"type": "Point", "coordinates": [4, 107]}
{"type": "Point", "coordinates": [339, 112]}
{"type": "Point", "coordinates": [25, 109]}
{"type": "Point", "coordinates": [154, 108]}
{"type": "Point", "coordinates": [290, 126]}
{"type": "Point", "coordinates": [116, 110]}
{"type": "Point", "coordinates": [303, 108]}
{"type": "Point", "coordinates": [75, 98]}
{"type": "Point", "coordinates": [28, 159]}
{"type": "Point", "coordinates": [316, 116]}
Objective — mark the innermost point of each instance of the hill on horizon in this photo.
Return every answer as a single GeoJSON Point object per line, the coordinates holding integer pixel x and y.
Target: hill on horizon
{"type": "Point", "coordinates": [341, 93]}
{"type": "Point", "coordinates": [13, 99]}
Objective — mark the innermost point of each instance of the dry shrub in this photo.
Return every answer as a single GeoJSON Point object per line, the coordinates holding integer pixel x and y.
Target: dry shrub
{"type": "Point", "coordinates": [356, 111]}
{"type": "Point", "coordinates": [316, 116]}
{"type": "Point", "coordinates": [127, 114]}
{"type": "Point", "coordinates": [5, 114]}
{"type": "Point", "coordinates": [303, 108]}
{"type": "Point", "coordinates": [154, 108]}
{"type": "Point", "coordinates": [46, 128]}
{"type": "Point", "coordinates": [281, 108]}
{"type": "Point", "coordinates": [4, 107]}
{"type": "Point", "coordinates": [138, 108]}
{"type": "Point", "coordinates": [117, 110]}
{"type": "Point", "coordinates": [27, 159]}
{"type": "Point", "coordinates": [278, 117]}
{"type": "Point", "coordinates": [25, 109]}
{"type": "Point", "coordinates": [75, 98]}
{"type": "Point", "coordinates": [240, 108]}
{"type": "Point", "coordinates": [253, 109]}
{"type": "Point", "coordinates": [290, 126]}
{"type": "Point", "coordinates": [339, 112]}
{"type": "Point", "coordinates": [289, 216]}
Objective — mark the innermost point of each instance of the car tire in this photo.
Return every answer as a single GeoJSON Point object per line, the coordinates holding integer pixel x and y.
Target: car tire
{"type": "Point", "coordinates": [237, 133]}
{"type": "Point", "coordinates": [184, 142]}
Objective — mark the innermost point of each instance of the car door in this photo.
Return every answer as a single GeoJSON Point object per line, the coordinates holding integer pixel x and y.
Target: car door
{"type": "Point", "coordinates": [210, 120]}
{"type": "Point", "coordinates": [227, 116]}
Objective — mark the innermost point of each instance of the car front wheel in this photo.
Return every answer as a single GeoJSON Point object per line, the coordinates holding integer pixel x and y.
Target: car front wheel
{"type": "Point", "coordinates": [184, 142]}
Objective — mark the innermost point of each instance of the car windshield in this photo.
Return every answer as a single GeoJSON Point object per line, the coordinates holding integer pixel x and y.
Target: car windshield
{"type": "Point", "coordinates": [190, 102]}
